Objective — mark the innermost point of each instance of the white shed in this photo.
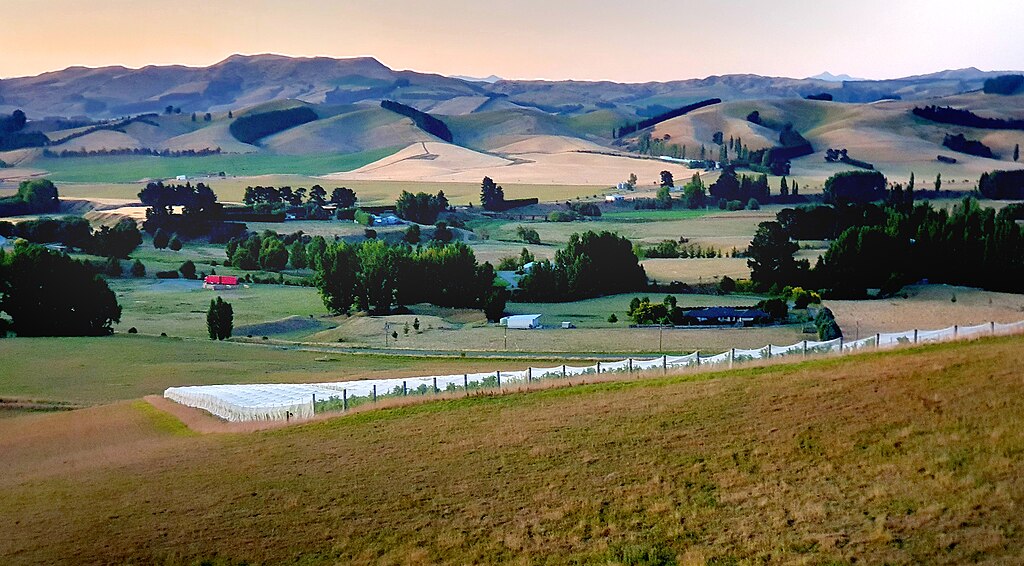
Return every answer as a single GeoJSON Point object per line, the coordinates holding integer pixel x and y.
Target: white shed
{"type": "Point", "coordinates": [521, 321]}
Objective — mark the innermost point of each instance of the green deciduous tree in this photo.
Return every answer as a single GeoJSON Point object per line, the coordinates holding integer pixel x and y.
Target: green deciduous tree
{"type": "Point", "coordinates": [220, 319]}
{"type": "Point", "coordinates": [50, 294]}
{"type": "Point", "coordinates": [771, 256]}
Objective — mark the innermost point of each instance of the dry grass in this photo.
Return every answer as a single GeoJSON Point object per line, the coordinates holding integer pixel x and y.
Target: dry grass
{"type": "Point", "coordinates": [905, 457]}
{"type": "Point", "coordinates": [928, 307]}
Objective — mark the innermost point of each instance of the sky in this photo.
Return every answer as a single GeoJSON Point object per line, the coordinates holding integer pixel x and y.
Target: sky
{"type": "Point", "coordinates": [655, 40]}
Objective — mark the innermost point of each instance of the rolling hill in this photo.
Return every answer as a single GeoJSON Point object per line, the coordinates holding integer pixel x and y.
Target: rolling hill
{"type": "Point", "coordinates": [777, 464]}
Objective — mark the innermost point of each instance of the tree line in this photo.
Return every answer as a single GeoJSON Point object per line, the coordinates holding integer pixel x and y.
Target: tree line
{"type": "Point", "coordinates": [74, 231]}
{"type": "Point", "coordinates": [423, 121]}
{"type": "Point", "coordinates": [675, 113]}
{"type": "Point", "coordinates": [966, 118]}
{"type": "Point", "coordinates": [889, 244]}
{"type": "Point", "coordinates": [64, 153]}
{"type": "Point", "coordinates": [253, 127]}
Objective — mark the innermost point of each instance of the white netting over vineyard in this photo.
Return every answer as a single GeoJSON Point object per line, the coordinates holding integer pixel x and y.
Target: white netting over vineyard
{"type": "Point", "coordinates": [609, 367]}
{"type": "Point", "coordinates": [1012, 328]}
{"type": "Point", "coordinates": [862, 344]}
{"type": "Point", "coordinates": [681, 361]}
{"type": "Point", "coordinates": [645, 365]}
{"type": "Point", "coordinates": [260, 402]}
{"type": "Point", "coordinates": [794, 350]}
{"type": "Point", "coordinates": [546, 373]}
{"type": "Point", "coordinates": [722, 358]}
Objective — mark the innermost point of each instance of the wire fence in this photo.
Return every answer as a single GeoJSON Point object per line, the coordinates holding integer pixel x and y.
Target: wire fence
{"type": "Point", "coordinates": [278, 402]}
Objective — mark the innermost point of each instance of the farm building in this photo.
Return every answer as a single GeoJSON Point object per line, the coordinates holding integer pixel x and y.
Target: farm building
{"type": "Point", "coordinates": [386, 220]}
{"type": "Point", "coordinates": [521, 321]}
{"type": "Point", "coordinates": [613, 198]}
{"type": "Point", "coordinates": [220, 282]}
{"type": "Point", "coordinates": [726, 315]}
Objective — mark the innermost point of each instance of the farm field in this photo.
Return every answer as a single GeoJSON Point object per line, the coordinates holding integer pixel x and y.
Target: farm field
{"type": "Point", "coordinates": [779, 463]}
{"type": "Point", "coordinates": [178, 306]}
{"type": "Point", "coordinates": [103, 370]}
{"type": "Point", "coordinates": [129, 169]}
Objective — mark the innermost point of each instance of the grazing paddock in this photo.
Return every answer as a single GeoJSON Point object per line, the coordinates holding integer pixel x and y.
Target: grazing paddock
{"type": "Point", "coordinates": [779, 463]}
{"type": "Point", "coordinates": [102, 370]}
{"type": "Point", "coordinates": [927, 306]}
{"type": "Point", "coordinates": [696, 270]}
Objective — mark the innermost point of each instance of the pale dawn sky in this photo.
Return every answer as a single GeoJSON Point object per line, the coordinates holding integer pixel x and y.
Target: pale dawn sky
{"type": "Point", "coordinates": [656, 40]}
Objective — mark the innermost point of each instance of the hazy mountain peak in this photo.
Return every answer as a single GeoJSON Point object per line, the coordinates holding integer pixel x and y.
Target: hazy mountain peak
{"type": "Point", "coordinates": [827, 76]}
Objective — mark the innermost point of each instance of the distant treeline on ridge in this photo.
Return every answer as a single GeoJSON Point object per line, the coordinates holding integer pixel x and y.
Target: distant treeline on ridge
{"type": "Point", "coordinates": [966, 118]}
{"type": "Point", "coordinates": [423, 121]}
{"type": "Point", "coordinates": [631, 128]}
{"type": "Point", "coordinates": [253, 127]}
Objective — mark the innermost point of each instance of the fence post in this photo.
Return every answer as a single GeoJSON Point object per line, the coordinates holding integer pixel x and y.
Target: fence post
{"type": "Point", "coordinates": [630, 364]}
{"type": "Point", "coordinates": [664, 363]}
{"type": "Point", "coordinates": [841, 345]}
{"type": "Point", "coordinates": [314, 403]}
{"type": "Point", "coordinates": [435, 386]}
{"type": "Point", "coordinates": [529, 375]}
{"type": "Point", "coordinates": [563, 371]}
{"type": "Point", "coordinates": [599, 368]}
{"type": "Point", "coordinates": [878, 340]}
{"type": "Point", "coordinates": [769, 351]}
{"type": "Point", "coordinates": [805, 348]}
{"type": "Point", "coordinates": [498, 373]}
{"type": "Point", "coordinates": [374, 392]}
{"type": "Point", "coordinates": [956, 331]}
{"type": "Point", "coordinates": [993, 323]}
{"type": "Point", "coordinates": [405, 390]}
{"type": "Point", "coordinates": [915, 336]}
{"type": "Point", "coordinates": [465, 383]}
{"type": "Point", "coordinates": [732, 357]}
{"type": "Point", "coordinates": [698, 358]}
{"type": "Point", "coordinates": [344, 399]}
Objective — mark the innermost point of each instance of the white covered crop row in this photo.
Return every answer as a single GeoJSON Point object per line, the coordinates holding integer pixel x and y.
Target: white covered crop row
{"type": "Point", "coordinates": [271, 402]}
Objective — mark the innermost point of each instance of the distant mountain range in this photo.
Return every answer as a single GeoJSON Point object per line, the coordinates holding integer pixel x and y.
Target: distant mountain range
{"type": "Point", "coordinates": [242, 81]}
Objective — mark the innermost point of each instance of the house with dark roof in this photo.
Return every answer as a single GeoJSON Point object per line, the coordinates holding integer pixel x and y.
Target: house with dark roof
{"type": "Point", "coordinates": [726, 315]}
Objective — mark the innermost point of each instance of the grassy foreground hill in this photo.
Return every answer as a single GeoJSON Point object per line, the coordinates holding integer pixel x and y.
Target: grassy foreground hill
{"type": "Point", "coordinates": [902, 457]}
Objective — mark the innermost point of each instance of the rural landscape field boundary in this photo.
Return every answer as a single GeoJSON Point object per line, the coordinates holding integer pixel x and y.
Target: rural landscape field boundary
{"type": "Point", "coordinates": [282, 402]}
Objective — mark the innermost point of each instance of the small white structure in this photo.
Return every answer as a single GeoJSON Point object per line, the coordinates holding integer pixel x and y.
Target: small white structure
{"type": "Point", "coordinates": [613, 198]}
{"type": "Point", "coordinates": [521, 321]}
{"type": "Point", "coordinates": [567, 325]}
{"type": "Point", "coordinates": [386, 220]}
{"type": "Point", "coordinates": [181, 178]}
{"type": "Point", "coordinates": [528, 267]}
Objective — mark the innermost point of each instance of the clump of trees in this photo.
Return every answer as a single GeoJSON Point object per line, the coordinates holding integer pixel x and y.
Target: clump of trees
{"type": "Point", "coordinates": [201, 214]}
{"type": "Point", "coordinates": [423, 121]}
{"type": "Point", "coordinates": [273, 198]}
{"type": "Point", "coordinates": [421, 208]}
{"type": "Point", "coordinates": [36, 196]}
{"type": "Point", "coordinates": [49, 294]}
{"type": "Point", "coordinates": [374, 276]}
{"type": "Point", "coordinates": [1002, 185]}
{"type": "Point", "coordinates": [591, 264]}
{"type": "Point", "coordinates": [220, 319]}
{"type": "Point", "coordinates": [855, 187]}
{"type": "Point", "coordinates": [970, 147]}
{"type": "Point", "coordinates": [12, 136]}
{"type": "Point", "coordinates": [771, 259]}
{"type": "Point", "coordinates": [76, 232]}
{"type": "Point", "coordinates": [1003, 84]}
{"type": "Point", "coordinates": [825, 323]}
{"type": "Point", "coordinates": [843, 156]}
{"type": "Point", "coordinates": [253, 127]}
{"type": "Point", "coordinates": [729, 187]}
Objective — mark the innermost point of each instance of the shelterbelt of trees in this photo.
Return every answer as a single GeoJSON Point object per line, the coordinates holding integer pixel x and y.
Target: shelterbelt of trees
{"type": "Point", "coordinates": [890, 243]}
